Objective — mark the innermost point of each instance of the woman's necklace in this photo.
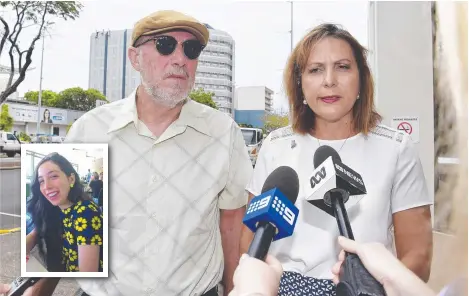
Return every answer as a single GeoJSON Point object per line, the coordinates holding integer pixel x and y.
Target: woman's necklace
{"type": "Point", "coordinates": [345, 141]}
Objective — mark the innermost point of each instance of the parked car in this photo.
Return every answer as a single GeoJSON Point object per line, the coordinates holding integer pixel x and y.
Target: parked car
{"type": "Point", "coordinates": [9, 144]}
{"type": "Point", "coordinates": [253, 138]}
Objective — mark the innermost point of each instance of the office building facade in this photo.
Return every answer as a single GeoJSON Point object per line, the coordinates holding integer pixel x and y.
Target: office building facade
{"type": "Point", "coordinates": [112, 73]}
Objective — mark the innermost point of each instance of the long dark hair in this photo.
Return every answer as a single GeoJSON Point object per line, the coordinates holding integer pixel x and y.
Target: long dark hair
{"type": "Point", "coordinates": [46, 217]}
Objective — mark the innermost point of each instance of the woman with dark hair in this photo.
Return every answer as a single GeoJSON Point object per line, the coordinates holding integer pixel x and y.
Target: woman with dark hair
{"type": "Point", "coordinates": [331, 96]}
{"type": "Point", "coordinates": [68, 225]}
{"type": "Point", "coordinates": [46, 116]}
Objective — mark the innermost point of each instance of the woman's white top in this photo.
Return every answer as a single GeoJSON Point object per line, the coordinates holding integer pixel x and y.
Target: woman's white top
{"type": "Point", "coordinates": [390, 167]}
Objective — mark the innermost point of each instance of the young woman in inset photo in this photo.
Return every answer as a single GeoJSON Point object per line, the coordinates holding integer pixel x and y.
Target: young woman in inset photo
{"type": "Point", "coordinates": [68, 224]}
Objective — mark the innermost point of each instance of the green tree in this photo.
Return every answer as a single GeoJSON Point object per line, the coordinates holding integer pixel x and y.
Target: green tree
{"type": "Point", "coordinates": [69, 126]}
{"type": "Point", "coordinates": [24, 137]}
{"type": "Point", "coordinates": [203, 97]}
{"type": "Point", "coordinates": [274, 121]}
{"type": "Point", "coordinates": [28, 15]}
{"type": "Point", "coordinates": [76, 98]}
{"type": "Point", "coordinates": [6, 121]}
{"type": "Point", "coordinates": [48, 98]}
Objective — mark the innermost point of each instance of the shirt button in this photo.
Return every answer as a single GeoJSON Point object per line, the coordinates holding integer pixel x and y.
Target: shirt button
{"type": "Point", "coordinates": [155, 179]}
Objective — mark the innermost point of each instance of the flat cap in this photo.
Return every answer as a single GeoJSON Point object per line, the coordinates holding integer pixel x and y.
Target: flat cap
{"type": "Point", "coordinates": [169, 20]}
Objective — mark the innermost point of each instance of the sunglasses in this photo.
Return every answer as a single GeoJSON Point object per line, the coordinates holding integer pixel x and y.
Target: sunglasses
{"type": "Point", "coordinates": [166, 45]}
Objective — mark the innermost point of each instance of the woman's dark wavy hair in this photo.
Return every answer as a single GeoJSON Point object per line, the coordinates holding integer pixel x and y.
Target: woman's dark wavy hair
{"type": "Point", "coordinates": [46, 217]}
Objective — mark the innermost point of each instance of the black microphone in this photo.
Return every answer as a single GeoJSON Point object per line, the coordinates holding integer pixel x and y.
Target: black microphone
{"type": "Point", "coordinates": [20, 284]}
{"type": "Point", "coordinates": [335, 198]}
{"type": "Point", "coordinates": [272, 215]}
{"type": "Point", "coordinates": [355, 280]}
{"type": "Point", "coordinates": [331, 173]}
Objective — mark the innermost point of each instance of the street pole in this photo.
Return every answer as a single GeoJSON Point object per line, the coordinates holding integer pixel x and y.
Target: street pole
{"type": "Point", "coordinates": [291, 26]}
{"type": "Point", "coordinates": [40, 92]}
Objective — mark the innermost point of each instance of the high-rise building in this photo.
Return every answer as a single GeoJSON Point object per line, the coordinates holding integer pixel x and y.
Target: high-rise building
{"type": "Point", "coordinates": [252, 103]}
{"type": "Point", "coordinates": [216, 70]}
{"type": "Point", "coordinates": [112, 73]}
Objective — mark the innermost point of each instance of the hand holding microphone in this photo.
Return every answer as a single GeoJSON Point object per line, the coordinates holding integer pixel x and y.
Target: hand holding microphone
{"type": "Point", "coordinates": [19, 287]}
{"type": "Point", "coordinates": [4, 288]}
{"type": "Point", "coordinates": [384, 267]}
{"type": "Point", "coordinates": [336, 182]}
{"type": "Point", "coordinates": [255, 277]}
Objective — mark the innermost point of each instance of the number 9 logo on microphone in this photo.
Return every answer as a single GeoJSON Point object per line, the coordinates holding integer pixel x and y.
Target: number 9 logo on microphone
{"type": "Point", "coordinates": [272, 207]}
{"type": "Point", "coordinates": [283, 211]}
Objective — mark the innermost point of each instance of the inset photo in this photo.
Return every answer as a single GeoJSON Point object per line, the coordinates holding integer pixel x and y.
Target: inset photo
{"type": "Point", "coordinates": [64, 210]}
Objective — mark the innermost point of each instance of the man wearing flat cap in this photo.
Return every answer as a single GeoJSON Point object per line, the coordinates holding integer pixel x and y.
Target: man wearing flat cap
{"type": "Point", "coordinates": [177, 172]}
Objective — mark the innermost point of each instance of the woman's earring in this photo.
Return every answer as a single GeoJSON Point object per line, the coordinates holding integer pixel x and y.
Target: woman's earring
{"type": "Point", "coordinates": [304, 102]}
{"type": "Point", "coordinates": [71, 185]}
{"type": "Point", "coordinates": [358, 97]}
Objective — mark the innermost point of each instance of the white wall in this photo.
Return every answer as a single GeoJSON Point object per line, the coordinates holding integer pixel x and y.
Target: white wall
{"type": "Point", "coordinates": [250, 98]}
{"type": "Point", "coordinates": [96, 66]}
{"type": "Point", "coordinates": [30, 128]}
{"type": "Point", "coordinates": [401, 42]}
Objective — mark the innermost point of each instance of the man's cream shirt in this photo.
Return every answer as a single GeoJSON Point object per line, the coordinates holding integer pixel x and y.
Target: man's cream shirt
{"type": "Point", "coordinates": [165, 196]}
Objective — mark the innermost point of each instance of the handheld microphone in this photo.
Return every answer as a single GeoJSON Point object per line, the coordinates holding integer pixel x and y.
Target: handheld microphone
{"type": "Point", "coordinates": [355, 280]}
{"type": "Point", "coordinates": [272, 215]}
{"type": "Point", "coordinates": [331, 173]}
{"type": "Point", "coordinates": [20, 284]}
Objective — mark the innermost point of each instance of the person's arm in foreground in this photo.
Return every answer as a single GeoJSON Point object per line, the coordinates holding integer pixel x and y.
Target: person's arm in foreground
{"type": "Point", "coordinates": [396, 279]}
{"type": "Point", "coordinates": [44, 287]}
{"type": "Point", "coordinates": [254, 277]}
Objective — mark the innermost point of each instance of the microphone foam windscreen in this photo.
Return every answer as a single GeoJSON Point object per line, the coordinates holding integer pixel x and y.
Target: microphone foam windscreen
{"type": "Point", "coordinates": [286, 180]}
{"type": "Point", "coordinates": [323, 152]}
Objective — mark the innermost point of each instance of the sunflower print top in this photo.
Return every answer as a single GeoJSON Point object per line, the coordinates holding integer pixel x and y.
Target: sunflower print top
{"type": "Point", "coordinates": [83, 225]}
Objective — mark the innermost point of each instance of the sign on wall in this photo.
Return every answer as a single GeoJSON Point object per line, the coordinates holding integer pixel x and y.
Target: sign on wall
{"type": "Point", "coordinates": [27, 113]}
{"type": "Point", "coordinates": [55, 116]}
{"type": "Point", "coordinates": [409, 125]}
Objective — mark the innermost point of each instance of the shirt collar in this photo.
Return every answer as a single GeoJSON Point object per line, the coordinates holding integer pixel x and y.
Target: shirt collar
{"type": "Point", "coordinates": [127, 113]}
{"type": "Point", "coordinates": [191, 115]}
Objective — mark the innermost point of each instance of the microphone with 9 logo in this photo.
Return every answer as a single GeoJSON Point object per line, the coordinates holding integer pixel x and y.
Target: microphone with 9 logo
{"type": "Point", "coordinates": [272, 215]}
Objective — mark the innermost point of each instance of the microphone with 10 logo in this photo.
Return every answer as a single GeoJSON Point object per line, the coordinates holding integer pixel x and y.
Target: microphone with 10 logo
{"type": "Point", "coordinates": [272, 215]}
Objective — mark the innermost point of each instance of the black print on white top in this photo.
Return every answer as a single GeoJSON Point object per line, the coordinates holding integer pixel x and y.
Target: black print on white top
{"type": "Point", "coordinates": [295, 284]}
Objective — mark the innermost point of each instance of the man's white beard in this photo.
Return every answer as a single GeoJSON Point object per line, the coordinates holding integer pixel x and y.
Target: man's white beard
{"type": "Point", "coordinates": [169, 97]}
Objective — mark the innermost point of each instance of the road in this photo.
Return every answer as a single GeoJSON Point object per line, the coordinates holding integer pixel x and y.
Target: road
{"type": "Point", "coordinates": [10, 266]}
{"type": "Point", "coordinates": [10, 199]}
{"type": "Point", "coordinates": [9, 161]}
